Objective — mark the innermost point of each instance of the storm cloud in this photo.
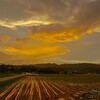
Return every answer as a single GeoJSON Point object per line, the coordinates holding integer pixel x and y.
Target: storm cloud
{"type": "Point", "coordinates": [50, 24]}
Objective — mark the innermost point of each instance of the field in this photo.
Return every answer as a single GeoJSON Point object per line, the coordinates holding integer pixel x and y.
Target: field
{"type": "Point", "coordinates": [53, 87]}
{"type": "Point", "coordinates": [6, 75]}
{"type": "Point", "coordinates": [73, 78]}
{"type": "Point", "coordinates": [6, 83]}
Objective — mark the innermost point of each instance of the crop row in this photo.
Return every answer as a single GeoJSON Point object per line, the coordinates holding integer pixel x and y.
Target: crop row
{"type": "Point", "coordinates": [35, 88]}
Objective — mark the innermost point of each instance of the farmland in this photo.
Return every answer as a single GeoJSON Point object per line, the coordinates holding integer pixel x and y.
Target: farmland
{"type": "Point", "coordinates": [50, 87]}
{"type": "Point", "coordinates": [7, 81]}
{"type": "Point", "coordinates": [6, 75]}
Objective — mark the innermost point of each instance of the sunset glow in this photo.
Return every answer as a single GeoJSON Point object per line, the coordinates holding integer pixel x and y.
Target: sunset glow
{"type": "Point", "coordinates": [56, 31]}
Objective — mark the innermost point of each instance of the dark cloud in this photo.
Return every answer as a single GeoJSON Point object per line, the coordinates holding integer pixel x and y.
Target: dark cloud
{"type": "Point", "coordinates": [61, 10]}
{"type": "Point", "coordinates": [53, 9]}
{"type": "Point", "coordinates": [12, 10]}
{"type": "Point", "coordinates": [52, 22]}
{"type": "Point", "coordinates": [67, 13]}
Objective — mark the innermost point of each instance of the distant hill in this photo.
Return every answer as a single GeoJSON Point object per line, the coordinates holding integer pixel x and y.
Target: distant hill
{"type": "Point", "coordinates": [74, 68]}
{"type": "Point", "coordinates": [52, 68]}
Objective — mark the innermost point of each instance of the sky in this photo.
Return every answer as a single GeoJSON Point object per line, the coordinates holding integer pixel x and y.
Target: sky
{"type": "Point", "coordinates": [49, 31]}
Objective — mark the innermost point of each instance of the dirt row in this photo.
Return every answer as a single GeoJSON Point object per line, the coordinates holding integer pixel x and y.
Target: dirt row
{"type": "Point", "coordinates": [34, 88]}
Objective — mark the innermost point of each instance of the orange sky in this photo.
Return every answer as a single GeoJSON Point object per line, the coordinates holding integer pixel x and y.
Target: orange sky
{"type": "Point", "coordinates": [46, 31]}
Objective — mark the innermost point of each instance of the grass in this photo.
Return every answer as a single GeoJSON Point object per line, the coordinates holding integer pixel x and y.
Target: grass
{"type": "Point", "coordinates": [1, 76]}
{"type": "Point", "coordinates": [76, 78]}
{"type": "Point", "coordinates": [6, 75]}
{"type": "Point", "coordinates": [9, 82]}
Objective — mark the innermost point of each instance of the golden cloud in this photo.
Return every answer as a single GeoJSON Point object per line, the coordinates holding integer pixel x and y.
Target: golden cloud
{"type": "Point", "coordinates": [37, 51]}
{"type": "Point", "coordinates": [45, 43]}
{"type": "Point", "coordinates": [24, 23]}
{"type": "Point", "coordinates": [54, 21]}
{"type": "Point", "coordinates": [4, 39]}
{"type": "Point", "coordinates": [64, 35]}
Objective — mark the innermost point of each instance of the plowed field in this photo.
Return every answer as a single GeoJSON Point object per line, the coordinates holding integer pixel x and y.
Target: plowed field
{"type": "Point", "coordinates": [35, 88]}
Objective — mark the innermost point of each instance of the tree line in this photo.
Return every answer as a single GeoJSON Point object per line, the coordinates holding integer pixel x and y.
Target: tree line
{"type": "Point", "coordinates": [52, 68]}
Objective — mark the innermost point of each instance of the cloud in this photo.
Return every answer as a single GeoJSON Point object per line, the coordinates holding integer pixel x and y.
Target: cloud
{"type": "Point", "coordinates": [36, 51]}
{"type": "Point", "coordinates": [61, 34]}
{"type": "Point", "coordinates": [66, 13]}
{"type": "Point", "coordinates": [56, 21]}
{"type": "Point", "coordinates": [61, 10]}
{"type": "Point", "coordinates": [23, 23]}
{"type": "Point", "coordinates": [12, 10]}
{"type": "Point", "coordinates": [70, 20]}
{"type": "Point", "coordinates": [4, 39]}
{"type": "Point", "coordinates": [52, 22]}
{"type": "Point", "coordinates": [56, 10]}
